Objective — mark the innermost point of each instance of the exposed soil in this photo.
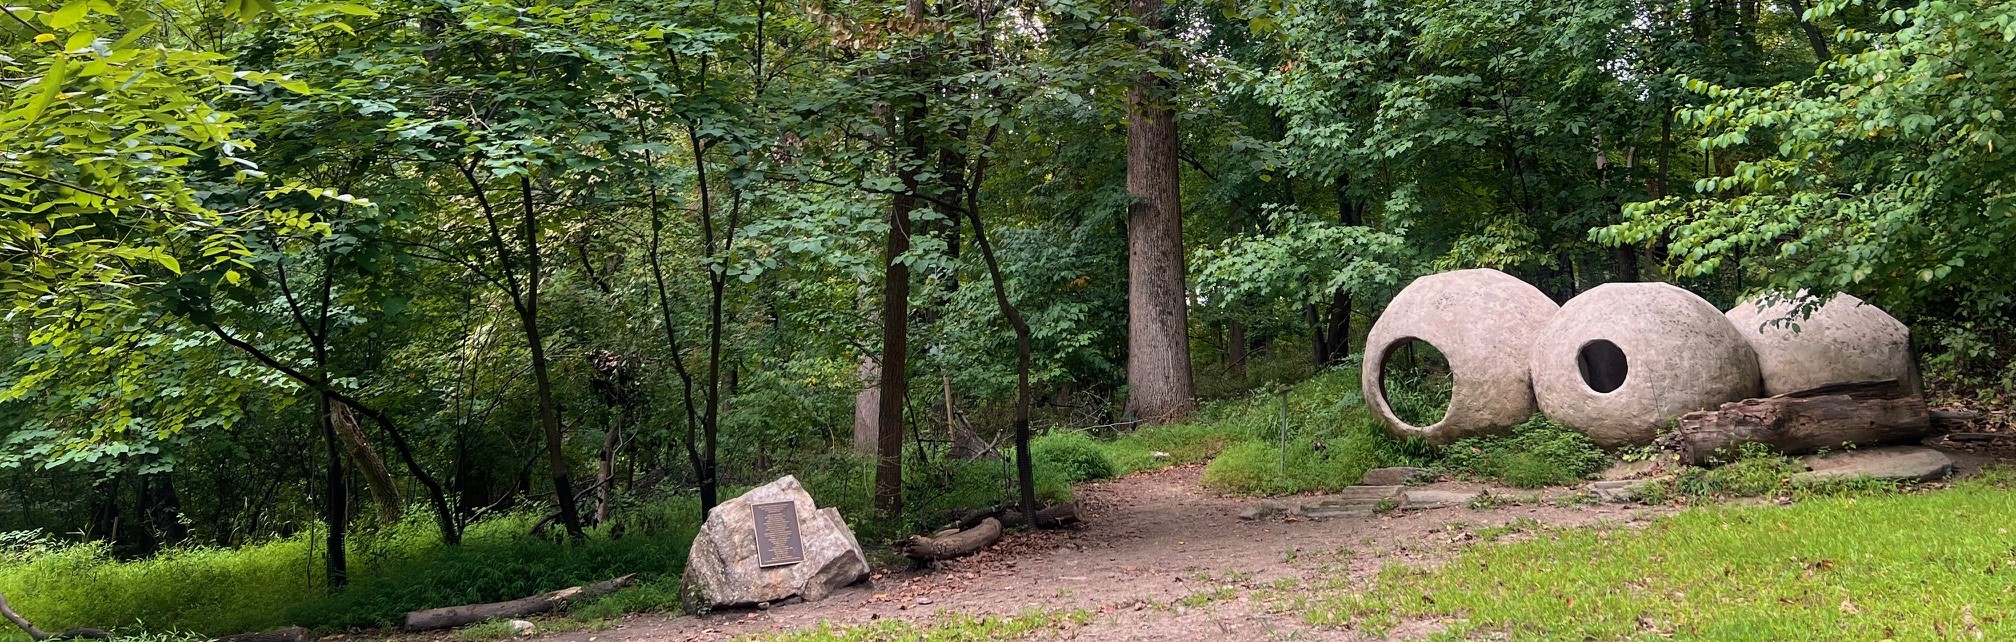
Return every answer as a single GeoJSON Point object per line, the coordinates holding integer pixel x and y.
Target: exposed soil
{"type": "Point", "coordinates": [1158, 558]}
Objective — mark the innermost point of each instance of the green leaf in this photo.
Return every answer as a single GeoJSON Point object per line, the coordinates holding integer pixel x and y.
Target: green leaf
{"type": "Point", "coordinates": [69, 14]}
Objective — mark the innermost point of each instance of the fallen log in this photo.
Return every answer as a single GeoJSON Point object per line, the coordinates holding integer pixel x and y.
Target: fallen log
{"type": "Point", "coordinates": [289, 634]}
{"type": "Point", "coordinates": [960, 544]}
{"type": "Point", "coordinates": [1807, 421]}
{"type": "Point", "coordinates": [1057, 516]}
{"type": "Point", "coordinates": [39, 635]}
{"type": "Point", "coordinates": [452, 616]}
{"type": "Point", "coordinates": [1950, 420]}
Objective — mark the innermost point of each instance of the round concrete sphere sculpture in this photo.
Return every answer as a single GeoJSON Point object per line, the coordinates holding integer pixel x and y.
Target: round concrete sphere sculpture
{"type": "Point", "coordinates": [1844, 341]}
{"type": "Point", "coordinates": [1482, 321]}
{"type": "Point", "coordinates": [1623, 359]}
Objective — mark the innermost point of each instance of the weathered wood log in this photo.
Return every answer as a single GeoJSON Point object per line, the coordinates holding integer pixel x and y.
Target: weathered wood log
{"type": "Point", "coordinates": [451, 616]}
{"type": "Point", "coordinates": [961, 544]}
{"type": "Point", "coordinates": [1057, 516]}
{"type": "Point", "coordinates": [289, 634]}
{"type": "Point", "coordinates": [1797, 423]}
{"type": "Point", "coordinates": [1950, 420]}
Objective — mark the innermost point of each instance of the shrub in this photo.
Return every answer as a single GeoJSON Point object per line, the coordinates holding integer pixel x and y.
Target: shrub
{"type": "Point", "coordinates": [1311, 462]}
{"type": "Point", "coordinates": [1073, 455]}
{"type": "Point", "coordinates": [1536, 453]}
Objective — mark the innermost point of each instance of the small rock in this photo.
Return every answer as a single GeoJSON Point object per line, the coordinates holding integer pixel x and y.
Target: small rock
{"type": "Point", "coordinates": [1418, 499]}
{"type": "Point", "coordinates": [520, 627]}
{"type": "Point", "coordinates": [762, 606]}
{"type": "Point", "coordinates": [1395, 476]}
{"type": "Point", "coordinates": [1616, 491]}
{"type": "Point", "coordinates": [1267, 509]}
{"type": "Point", "coordinates": [1890, 463]}
{"type": "Point", "coordinates": [1159, 455]}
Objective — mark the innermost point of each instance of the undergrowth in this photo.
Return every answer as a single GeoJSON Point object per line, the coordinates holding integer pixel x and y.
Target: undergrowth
{"type": "Point", "coordinates": [1536, 453]}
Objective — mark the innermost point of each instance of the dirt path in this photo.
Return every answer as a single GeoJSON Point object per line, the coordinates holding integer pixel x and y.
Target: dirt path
{"type": "Point", "coordinates": [1159, 558]}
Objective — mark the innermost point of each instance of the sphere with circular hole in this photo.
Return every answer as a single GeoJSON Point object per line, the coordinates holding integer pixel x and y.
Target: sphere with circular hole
{"type": "Point", "coordinates": [1623, 359]}
{"type": "Point", "coordinates": [1482, 322]}
{"type": "Point", "coordinates": [1844, 341]}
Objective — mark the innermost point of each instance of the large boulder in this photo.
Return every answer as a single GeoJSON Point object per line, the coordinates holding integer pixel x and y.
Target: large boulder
{"type": "Point", "coordinates": [1482, 321]}
{"type": "Point", "coordinates": [1843, 341]}
{"type": "Point", "coordinates": [723, 570]}
{"type": "Point", "coordinates": [1623, 359]}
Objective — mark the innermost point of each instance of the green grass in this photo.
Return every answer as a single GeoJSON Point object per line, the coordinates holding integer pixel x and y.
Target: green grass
{"type": "Point", "coordinates": [1536, 453]}
{"type": "Point", "coordinates": [1935, 565]}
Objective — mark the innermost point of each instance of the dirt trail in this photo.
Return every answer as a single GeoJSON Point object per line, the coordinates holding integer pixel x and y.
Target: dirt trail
{"type": "Point", "coordinates": [1150, 541]}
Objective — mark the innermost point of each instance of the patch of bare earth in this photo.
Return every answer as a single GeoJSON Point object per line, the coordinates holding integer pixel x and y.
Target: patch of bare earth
{"type": "Point", "coordinates": [1158, 558]}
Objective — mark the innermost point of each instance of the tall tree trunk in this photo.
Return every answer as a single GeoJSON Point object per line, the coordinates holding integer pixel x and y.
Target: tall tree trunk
{"type": "Point", "coordinates": [1158, 316]}
{"type": "Point", "coordinates": [542, 381]}
{"type": "Point", "coordinates": [605, 472]}
{"type": "Point", "coordinates": [895, 333]}
{"type": "Point", "coordinates": [335, 501]}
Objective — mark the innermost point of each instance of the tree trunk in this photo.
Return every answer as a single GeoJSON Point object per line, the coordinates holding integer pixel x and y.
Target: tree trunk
{"type": "Point", "coordinates": [1236, 349]}
{"type": "Point", "coordinates": [542, 381]}
{"type": "Point", "coordinates": [1159, 388]}
{"type": "Point", "coordinates": [867, 407]}
{"type": "Point", "coordinates": [1798, 423]}
{"type": "Point", "coordinates": [163, 508]}
{"type": "Point", "coordinates": [1814, 37]}
{"type": "Point", "coordinates": [895, 347]}
{"type": "Point", "coordinates": [605, 471]}
{"type": "Point", "coordinates": [384, 492]}
{"type": "Point", "coordinates": [335, 501]}
{"type": "Point", "coordinates": [452, 616]}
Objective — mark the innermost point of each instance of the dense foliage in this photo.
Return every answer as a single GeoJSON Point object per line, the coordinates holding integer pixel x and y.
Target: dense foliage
{"type": "Point", "coordinates": [322, 280]}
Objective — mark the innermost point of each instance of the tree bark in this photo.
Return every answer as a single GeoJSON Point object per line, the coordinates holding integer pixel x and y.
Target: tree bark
{"type": "Point", "coordinates": [1814, 37]}
{"type": "Point", "coordinates": [895, 348]}
{"type": "Point", "coordinates": [452, 616]}
{"type": "Point", "coordinates": [384, 492]}
{"type": "Point", "coordinates": [1236, 349]}
{"type": "Point", "coordinates": [867, 407]}
{"type": "Point", "coordinates": [542, 381]}
{"type": "Point", "coordinates": [1798, 423]}
{"type": "Point", "coordinates": [1159, 387]}
{"type": "Point", "coordinates": [335, 501]}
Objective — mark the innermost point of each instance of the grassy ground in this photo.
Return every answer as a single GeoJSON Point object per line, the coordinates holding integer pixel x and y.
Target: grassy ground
{"type": "Point", "coordinates": [1919, 566]}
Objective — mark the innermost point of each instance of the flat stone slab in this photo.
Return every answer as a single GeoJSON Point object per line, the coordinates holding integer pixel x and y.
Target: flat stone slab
{"type": "Point", "coordinates": [1373, 493]}
{"type": "Point", "coordinates": [1328, 513]}
{"type": "Point", "coordinates": [1890, 463]}
{"type": "Point", "coordinates": [1618, 491]}
{"type": "Point", "coordinates": [1395, 476]}
{"type": "Point", "coordinates": [1416, 499]}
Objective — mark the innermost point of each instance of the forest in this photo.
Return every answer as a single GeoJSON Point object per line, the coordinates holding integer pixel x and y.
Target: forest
{"type": "Point", "coordinates": [317, 312]}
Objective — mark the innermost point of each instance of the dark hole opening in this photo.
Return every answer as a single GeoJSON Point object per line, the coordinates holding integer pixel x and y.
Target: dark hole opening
{"type": "Point", "coordinates": [1603, 365]}
{"type": "Point", "coordinates": [1417, 382]}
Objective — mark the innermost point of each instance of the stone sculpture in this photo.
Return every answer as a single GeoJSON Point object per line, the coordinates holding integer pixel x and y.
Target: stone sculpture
{"type": "Point", "coordinates": [1483, 321]}
{"type": "Point", "coordinates": [1622, 360]}
{"type": "Point", "coordinates": [1844, 341]}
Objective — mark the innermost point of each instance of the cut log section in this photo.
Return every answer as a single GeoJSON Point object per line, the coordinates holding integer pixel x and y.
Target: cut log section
{"type": "Point", "coordinates": [1807, 421]}
{"type": "Point", "coordinates": [452, 616]}
{"type": "Point", "coordinates": [960, 544]}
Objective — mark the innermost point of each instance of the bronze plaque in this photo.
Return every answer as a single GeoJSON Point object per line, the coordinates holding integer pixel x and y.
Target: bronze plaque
{"type": "Point", "coordinates": [777, 540]}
